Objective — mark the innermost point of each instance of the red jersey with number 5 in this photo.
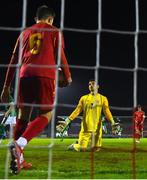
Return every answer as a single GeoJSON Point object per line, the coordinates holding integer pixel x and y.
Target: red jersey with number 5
{"type": "Point", "coordinates": [39, 48]}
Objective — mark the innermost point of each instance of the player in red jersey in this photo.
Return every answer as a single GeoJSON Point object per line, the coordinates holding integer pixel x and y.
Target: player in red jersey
{"type": "Point", "coordinates": [138, 119]}
{"type": "Point", "coordinates": [36, 51]}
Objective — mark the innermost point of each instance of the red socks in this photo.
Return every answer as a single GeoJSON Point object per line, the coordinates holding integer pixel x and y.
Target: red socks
{"type": "Point", "coordinates": [20, 127]}
{"type": "Point", "coordinates": [35, 127]}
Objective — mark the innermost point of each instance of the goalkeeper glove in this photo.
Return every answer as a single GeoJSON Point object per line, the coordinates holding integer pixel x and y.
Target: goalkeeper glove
{"type": "Point", "coordinates": [115, 128]}
{"type": "Point", "coordinates": [63, 125]}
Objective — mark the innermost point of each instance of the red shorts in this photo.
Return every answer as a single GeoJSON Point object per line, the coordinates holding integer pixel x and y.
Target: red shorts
{"type": "Point", "coordinates": [39, 91]}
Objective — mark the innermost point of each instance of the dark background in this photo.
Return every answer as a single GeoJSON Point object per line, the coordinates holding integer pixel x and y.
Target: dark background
{"type": "Point", "coordinates": [116, 50]}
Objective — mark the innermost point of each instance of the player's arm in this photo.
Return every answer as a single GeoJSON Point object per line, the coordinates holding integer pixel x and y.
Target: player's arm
{"type": "Point", "coordinates": [65, 67]}
{"type": "Point", "coordinates": [64, 124]}
{"type": "Point", "coordinates": [143, 117]}
{"type": "Point", "coordinates": [107, 111]}
{"type": "Point", "coordinates": [64, 63]}
{"type": "Point", "coordinates": [115, 126]}
{"type": "Point", "coordinates": [11, 107]}
{"type": "Point", "coordinates": [10, 74]}
{"type": "Point", "coordinates": [8, 111]}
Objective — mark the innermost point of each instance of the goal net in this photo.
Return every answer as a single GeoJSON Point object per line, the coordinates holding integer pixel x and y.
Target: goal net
{"type": "Point", "coordinates": [105, 40]}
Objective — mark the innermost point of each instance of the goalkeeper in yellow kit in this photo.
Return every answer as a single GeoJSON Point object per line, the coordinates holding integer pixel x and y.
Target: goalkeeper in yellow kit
{"type": "Point", "coordinates": [91, 105]}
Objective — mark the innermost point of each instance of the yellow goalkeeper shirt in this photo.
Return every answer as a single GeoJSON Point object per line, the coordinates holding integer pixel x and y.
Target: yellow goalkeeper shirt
{"type": "Point", "coordinates": [91, 106]}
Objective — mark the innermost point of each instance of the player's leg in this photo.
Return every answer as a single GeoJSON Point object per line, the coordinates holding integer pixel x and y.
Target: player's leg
{"type": "Point", "coordinates": [36, 126]}
{"type": "Point", "coordinates": [41, 91]}
{"type": "Point", "coordinates": [21, 124]}
{"type": "Point", "coordinates": [137, 133]}
{"type": "Point", "coordinates": [24, 114]}
{"type": "Point", "coordinates": [140, 130]}
{"type": "Point", "coordinates": [2, 132]}
{"type": "Point", "coordinates": [25, 95]}
{"type": "Point", "coordinates": [12, 125]}
{"type": "Point", "coordinates": [17, 153]}
{"type": "Point", "coordinates": [98, 137]}
{"type": "Point", "coordinates": [27, 133]}
{"type": "Point", "coordinates": [44, 96]}
{"type": "Point", "coordinates": [83, 142]}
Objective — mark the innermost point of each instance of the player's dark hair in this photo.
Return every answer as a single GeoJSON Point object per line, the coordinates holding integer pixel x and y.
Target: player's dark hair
{"type": "Point", "coordinates": [43, 12]}
{"type": "Point", "coordinates": [139, 106]}
{"type": "Point", "coordinates": [91, 80]}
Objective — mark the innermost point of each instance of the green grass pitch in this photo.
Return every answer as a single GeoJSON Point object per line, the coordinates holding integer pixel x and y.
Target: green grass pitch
{"type": "Point", "coordinates": [116, 160]}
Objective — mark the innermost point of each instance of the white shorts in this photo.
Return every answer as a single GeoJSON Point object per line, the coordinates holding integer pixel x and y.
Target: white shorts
{"type": "Point", "coordinates": [11, 120]}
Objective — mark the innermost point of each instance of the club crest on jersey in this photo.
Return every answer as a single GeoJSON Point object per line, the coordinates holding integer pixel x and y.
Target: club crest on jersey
{"type": "Point", "coordinates": [94, 104]}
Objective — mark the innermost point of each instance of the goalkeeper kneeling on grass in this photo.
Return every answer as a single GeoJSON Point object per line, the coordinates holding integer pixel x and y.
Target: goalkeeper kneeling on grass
{"type": "Point", "coordinates": [91, 105]}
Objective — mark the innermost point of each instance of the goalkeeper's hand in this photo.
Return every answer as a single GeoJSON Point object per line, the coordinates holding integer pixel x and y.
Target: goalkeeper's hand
{"type": "Point", "coordinates": [115, 128]}
{"type": "Point", "coordinates": [63, 125]}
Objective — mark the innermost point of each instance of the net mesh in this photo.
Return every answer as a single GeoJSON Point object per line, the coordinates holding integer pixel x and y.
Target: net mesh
{"type": "Point", "coordinates": [102, 38]}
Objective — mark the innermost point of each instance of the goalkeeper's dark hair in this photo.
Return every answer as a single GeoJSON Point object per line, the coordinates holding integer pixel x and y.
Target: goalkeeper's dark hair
{"type": "Point", "coordinates": [43, 12]}
{"type": "Point", "coordinates": [92, 80]}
